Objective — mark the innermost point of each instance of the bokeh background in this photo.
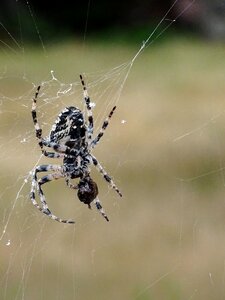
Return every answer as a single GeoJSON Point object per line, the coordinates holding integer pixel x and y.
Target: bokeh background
{"type": "Point", "coordinates": [164, 148]}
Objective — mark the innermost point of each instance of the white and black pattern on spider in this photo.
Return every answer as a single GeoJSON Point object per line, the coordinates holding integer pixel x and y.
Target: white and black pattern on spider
{"type": "Point", "coordinates": [71, 138]}
{"type": "Point", "coordinates": [68, 126]}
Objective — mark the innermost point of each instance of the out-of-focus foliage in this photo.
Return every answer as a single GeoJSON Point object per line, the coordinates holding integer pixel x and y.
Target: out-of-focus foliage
{"type": "Point", "coordinates": [58, 20]}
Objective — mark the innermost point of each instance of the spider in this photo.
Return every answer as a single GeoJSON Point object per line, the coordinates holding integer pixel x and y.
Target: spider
{"type": "Point", "coordinates": [71, 139]}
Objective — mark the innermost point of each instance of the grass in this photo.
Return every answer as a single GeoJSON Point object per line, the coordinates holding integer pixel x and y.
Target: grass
{"type": "Point", "coordinates": [165, 239]}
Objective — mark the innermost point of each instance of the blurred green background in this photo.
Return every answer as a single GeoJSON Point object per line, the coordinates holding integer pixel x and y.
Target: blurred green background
{"type": "Point", "coordinates": [166, 237]}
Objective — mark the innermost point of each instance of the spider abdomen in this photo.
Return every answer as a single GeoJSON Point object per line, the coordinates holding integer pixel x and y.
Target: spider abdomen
{"type": "Point", "coordinates": [69, 126]}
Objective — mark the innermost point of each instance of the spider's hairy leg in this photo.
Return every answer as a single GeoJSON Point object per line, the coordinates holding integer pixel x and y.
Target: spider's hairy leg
{"type": "Point", "coordinates": [38, 131]}
{"type": "Point", "coordinates": [71, 185]}
{"type": "Point", "coordinates": [89, 110]}
{"type": "Point", "coordinates": [37, 184]}
{"type": "Point", "coordinates": [53, 154]}
{"type": "Point", "coordinates": [37, 127]}
{"type": "Point", "coordinates": [105, 175]}
{"type": "Point", "coordinates": [59, 148]}
{"type": "Point", "coordinates": [104, 126]}
{"type": "Point", "coordinates": [100, 208]}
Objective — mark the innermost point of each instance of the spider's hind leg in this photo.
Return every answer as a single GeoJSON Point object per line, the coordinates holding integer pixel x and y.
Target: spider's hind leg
{"type": "Point", "coordinates": [37, 127]}
{"type": "Point", "coordinates": [89, 110]}
{"type": "Point", "coordinates": [105, 124]}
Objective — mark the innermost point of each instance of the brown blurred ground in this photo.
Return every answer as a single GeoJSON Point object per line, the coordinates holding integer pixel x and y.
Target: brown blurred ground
{"type": "Point", "coordinates": [165, 238]}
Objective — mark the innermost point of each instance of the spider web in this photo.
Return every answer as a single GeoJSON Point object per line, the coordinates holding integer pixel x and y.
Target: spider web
{"type": "Point", "coordinates": [42, 259]}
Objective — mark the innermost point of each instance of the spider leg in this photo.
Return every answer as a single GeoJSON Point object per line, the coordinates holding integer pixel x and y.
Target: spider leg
{"type": "Point", "coordinates": [89, 111]}
{"type": "Point", "coordinates": [59, 148]}
{"type": "Point", "coordinates": [70, 185]}
{"type": "Point", "coordinates": [43, 180]}
{"type": "Point", "coordinates": [37, 184]}
{"type": "Point", "coordinates": [100, 208]}
{"type": "Point", "coordinates": [34, 117]}
{"type": "Point", "coordinates": [104, 126]}
{"type": "Point", "coordinates": [53, 154]}
{"type": "Point", "coordinates": [42, 142]}
{"type": "Point", "coordinates": [37, 127]}
{"type": "Point", "coordinates": [105, 175]}
{"type": "Point", "coordinates": [60, 155]}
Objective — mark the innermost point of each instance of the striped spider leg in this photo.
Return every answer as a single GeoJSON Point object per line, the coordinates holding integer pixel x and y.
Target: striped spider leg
{"type": "Point", "coordinates": [37, 184]}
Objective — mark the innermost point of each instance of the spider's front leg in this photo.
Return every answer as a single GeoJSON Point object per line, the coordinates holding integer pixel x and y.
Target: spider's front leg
{"type": "Point", "coordinates": [71, 185]}
{"type": "Point", "coordinates": [88, 192]}
{"type": "Point", "coordinates": [36, 184]}
{"type": "Point", "coordinates": [105, 175]}
{"type": "Point", "coordinates": [100, 208]}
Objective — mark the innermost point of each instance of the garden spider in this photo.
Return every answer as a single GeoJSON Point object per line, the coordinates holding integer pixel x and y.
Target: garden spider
{"type": "Point", "coordinates": [71, 139]}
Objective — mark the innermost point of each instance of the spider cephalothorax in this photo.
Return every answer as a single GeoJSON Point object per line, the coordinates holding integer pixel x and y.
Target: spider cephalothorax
{"type": "Point", "coordinates": [70, 139]}
{"type": "Point", "coordinates": [87, 190]}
